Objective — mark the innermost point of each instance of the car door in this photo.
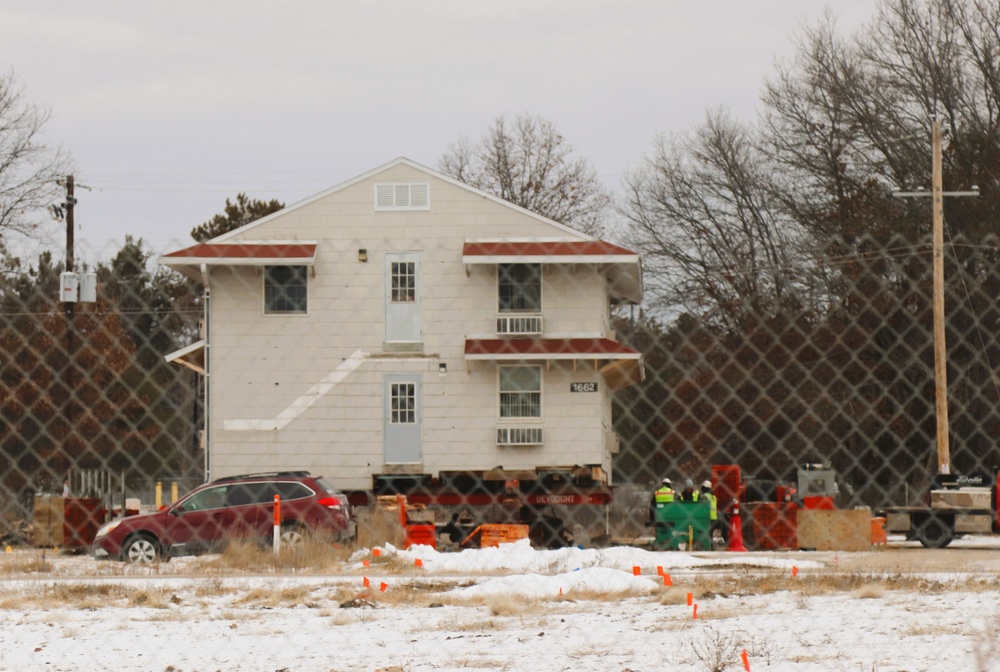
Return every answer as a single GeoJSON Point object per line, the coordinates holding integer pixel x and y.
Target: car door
{"type": "Point", "coordinates": [198, 522]}
{"type": "Point", "coordinates": [251, 506]}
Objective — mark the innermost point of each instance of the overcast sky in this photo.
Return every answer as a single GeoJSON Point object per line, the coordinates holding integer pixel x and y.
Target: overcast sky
{"type": "Point", "coordinates": [169, 108]}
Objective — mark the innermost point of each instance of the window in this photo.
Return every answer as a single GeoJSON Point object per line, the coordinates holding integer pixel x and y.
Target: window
{"type": "Point", "coordinates": [520, 391]}
{"type": "Point", "coordinates": [285, 290]}
{"type": "Point", "coordinates": [402, 196]}
{"type": "Point", "coordinates": [211, 498]}
{"type": "Point", "coordinates": [520, 288]}
{"type": "Point", "coordinates": [403, 276]}
{"type": "Point", "coordinates": [243, 494]}
{"type": "Point", "coordinates": [292, 490]}
{"type": "Point", "coordinates": [403, 398]}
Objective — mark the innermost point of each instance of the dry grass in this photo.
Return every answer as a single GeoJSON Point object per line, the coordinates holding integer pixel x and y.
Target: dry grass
{"type": "Point", "coordinates": [289, 596]}
{"type": "Point", "coordinates": [479, 663]}
{"type": "Point", "coordinates": [810, 584]}
{"type": "Point", "coordinates": [378, 527]}
{"type": "Point", "coordinates": [315, 554]}
{"type": "Point", "coordinates": [86, 596]}
{"type": "Point", "coordinates": [25, 563]}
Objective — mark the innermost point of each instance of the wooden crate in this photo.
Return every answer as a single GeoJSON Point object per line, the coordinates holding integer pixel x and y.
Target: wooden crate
{"type": "Point", "coordinates": [66, 522]}
{"type": "Point", "coordinates": [848, 530]}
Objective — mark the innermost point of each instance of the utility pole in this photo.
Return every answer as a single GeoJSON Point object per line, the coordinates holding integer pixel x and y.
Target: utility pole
{"type": "Point", "coordinates": [940, 347]}
{"type": "Point", "coordinates": [69, 309]}
{"type": "Point", "coordinates": [70, 202]}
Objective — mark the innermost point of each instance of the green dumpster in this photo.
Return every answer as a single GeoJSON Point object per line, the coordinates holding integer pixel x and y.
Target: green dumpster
{"type": "Point", "coordinates": [683, 525]}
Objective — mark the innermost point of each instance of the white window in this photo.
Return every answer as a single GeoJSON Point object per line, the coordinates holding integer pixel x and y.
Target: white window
{"type": "Point", "coordinates": [519, 288]}
{"type": "Point", "coordinates": [285, 290]}
{"type": "Point", "coordinates": [403, 276]}
{"type": "Point", "coordinates": [520, 392]}
{"type": "Point", "coordinates": [403, 397]}
{"type": "Point", "coordinates": [403, 196]}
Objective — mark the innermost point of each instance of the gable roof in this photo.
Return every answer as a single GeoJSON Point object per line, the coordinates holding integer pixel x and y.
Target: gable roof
{"type": "Point", "coordinates": [401, 161]}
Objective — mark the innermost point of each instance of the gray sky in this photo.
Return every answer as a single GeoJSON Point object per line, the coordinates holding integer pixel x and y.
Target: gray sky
{"type": "Point", "coordinates": [169, 108]}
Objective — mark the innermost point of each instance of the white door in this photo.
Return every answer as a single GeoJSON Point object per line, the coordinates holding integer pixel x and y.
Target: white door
{"type": "Point", "coordinates": [402, 297]}
{"type": "Point", "coordinates": [402, 432]}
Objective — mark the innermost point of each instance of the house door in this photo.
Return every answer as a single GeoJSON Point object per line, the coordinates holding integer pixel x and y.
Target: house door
{"type": "Point", "coordinates": [402, 297]}
{"type": "Point", "coordinates": [402, 430]}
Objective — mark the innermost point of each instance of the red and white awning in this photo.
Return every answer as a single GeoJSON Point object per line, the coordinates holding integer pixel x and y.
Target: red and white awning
{"type": "Point", "coordinates": [623, 267]}
{"type": "Point", "coordinates": [620, 365]}
{"type": "Point", "coordinates": [243, 253]}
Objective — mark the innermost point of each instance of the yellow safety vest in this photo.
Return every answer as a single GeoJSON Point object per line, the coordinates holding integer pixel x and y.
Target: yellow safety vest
{"type": "Point", "coordinates": [664, 495]}
{"type": "Point", "coordinates": [713, 506]}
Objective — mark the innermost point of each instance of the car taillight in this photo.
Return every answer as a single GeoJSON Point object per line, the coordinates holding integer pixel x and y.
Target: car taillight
{"type": "Point", "coordinates": [330, 502]}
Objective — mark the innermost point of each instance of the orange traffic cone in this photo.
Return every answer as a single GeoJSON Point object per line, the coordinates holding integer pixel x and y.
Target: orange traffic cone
{"type": "Point", "coordinates": [736, 533]}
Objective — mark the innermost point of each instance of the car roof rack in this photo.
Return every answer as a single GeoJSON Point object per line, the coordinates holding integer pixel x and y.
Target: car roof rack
{"type": "Point", "coordinates": [276, 474]}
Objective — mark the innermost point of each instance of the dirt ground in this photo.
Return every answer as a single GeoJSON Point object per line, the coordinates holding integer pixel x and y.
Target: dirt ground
{"type": "Point", "coordinates": [969, 555]}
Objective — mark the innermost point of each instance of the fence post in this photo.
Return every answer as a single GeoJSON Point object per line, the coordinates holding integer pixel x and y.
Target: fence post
{"type": "Point", "coordinates": [277, 524]}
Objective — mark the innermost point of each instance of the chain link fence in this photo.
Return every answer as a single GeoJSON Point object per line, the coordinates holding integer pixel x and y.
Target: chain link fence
{"type": "Point", "coordinates": [841, 376]}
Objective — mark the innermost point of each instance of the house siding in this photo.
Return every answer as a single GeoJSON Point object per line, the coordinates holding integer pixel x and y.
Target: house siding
{"type": "Point", "coordinates": [261, 365]}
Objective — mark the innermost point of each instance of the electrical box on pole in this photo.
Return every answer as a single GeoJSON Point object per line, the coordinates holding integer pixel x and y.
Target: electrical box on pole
{"type": "Point", "coordinates": [88, 287]}
{"type": "Point", "coordinates": [69, 285]}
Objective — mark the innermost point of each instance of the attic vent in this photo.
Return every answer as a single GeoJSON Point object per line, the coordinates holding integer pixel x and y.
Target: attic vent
{"type": "Point", "coordinates": [402, 196]}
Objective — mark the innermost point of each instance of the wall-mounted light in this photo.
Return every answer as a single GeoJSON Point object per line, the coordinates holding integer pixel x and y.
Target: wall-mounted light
{"type": "Point", "coordinates": [442, 369]}
{"type": "Point", "coordinates": [362, 255]}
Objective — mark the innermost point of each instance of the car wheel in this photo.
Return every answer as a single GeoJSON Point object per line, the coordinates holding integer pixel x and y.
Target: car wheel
{"type": "Point", "coordinates": [141, 550]}
{"type": "Point", "coordinates": [293, 536]}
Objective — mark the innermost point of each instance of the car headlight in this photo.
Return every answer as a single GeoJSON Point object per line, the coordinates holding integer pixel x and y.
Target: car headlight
{"type": "Point", "coordinates": [107, 527]}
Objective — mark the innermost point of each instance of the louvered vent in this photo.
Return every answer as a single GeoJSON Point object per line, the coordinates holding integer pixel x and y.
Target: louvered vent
{"type": "Point", "coordinates": [517, 325]}
{"type": "Point", "coordinates": [519, 436]}
{"type": "Point", "coordinates": [385, 196]}
{"type": "Point", "coordinates": [402, 196]}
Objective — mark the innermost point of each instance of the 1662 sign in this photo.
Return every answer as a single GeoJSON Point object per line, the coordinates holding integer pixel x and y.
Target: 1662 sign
{"type": "Point", "coordinates": [583, 387]}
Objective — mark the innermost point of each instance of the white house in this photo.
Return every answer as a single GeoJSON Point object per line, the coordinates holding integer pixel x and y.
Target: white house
{"type": "Point", "coordinates": [405, 323]}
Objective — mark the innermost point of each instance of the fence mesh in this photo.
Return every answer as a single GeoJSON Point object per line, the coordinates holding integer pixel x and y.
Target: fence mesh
{"type": "Point", "coordinates": [841, 376]}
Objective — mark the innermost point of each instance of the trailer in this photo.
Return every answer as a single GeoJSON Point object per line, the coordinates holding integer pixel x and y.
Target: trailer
{"type": "Point", "coordinates": [957, 505]}
{"type": "Point", "coordinates": [561, 506]}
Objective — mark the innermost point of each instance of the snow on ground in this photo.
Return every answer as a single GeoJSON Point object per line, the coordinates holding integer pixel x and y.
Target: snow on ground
{"type": "Point", "coordinates": [502, 609]}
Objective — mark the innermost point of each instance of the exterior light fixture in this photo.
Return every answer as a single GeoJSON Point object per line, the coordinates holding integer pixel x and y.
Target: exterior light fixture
{"type": "Point", "coordinates": [362, 255]}
{"type": "Point", "coordinates": [442, 368]}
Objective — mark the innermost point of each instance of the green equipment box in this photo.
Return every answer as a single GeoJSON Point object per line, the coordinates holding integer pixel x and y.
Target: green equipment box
{"type": "Point", "coordinates": [683, 526]}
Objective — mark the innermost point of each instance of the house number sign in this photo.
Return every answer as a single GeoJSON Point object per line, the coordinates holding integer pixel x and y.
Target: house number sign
{"type": "Point", "coordinates": [583, 387]}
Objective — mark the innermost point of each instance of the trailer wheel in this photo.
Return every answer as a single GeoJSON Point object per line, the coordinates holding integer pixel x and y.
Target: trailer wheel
{"type": "Point", "coordinates": [933, 531]}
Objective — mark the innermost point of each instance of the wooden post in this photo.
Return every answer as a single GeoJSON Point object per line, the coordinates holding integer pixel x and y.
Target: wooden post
{"type": "Point", "coordinates": [940, 347]}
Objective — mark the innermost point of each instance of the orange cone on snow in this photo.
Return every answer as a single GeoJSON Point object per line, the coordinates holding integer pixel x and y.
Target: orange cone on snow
{"type": "Point", "coordinates": [736, 533]}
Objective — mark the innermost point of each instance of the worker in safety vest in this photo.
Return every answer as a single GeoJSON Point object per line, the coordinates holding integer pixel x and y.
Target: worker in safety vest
{"type": "Point", "coordinates": [713, 515]}
{"type": "Point", "coordinates": [663, 495]}
{"type": "Point", "coordinates": [689, 494]}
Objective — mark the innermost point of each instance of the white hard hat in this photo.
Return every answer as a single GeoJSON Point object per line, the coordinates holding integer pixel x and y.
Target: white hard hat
{"type": "Point", "coordinates": [707, 484]}
{"type": "Point", "coordinates": [666, 481]}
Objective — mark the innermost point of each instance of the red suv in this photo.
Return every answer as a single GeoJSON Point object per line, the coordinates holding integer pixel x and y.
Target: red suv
{"type": "Point", "coordinates": [209, 516]}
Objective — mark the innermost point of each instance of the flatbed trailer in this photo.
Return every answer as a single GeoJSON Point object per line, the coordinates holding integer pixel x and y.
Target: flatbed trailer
{"type": "Point", "coordinates": [958, 505]}
{"type": "Point", "coordinates": [559, 504]}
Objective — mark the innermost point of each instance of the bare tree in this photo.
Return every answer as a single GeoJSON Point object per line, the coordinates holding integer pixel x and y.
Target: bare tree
{"type": "Point", "coordinates": [528, 163]}
{"type": "Point", "coordinates": [702, 212]}
{"type": "Point", "coordinates": [28, 167]}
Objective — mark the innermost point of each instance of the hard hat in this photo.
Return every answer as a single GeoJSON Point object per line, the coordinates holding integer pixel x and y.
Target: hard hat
{"type": "Point", "coordinates": [689, 483]}
{"type": "Point", "coordinates": [707, 484]}
{"type": "Point", "coordinates": [666, 481]}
